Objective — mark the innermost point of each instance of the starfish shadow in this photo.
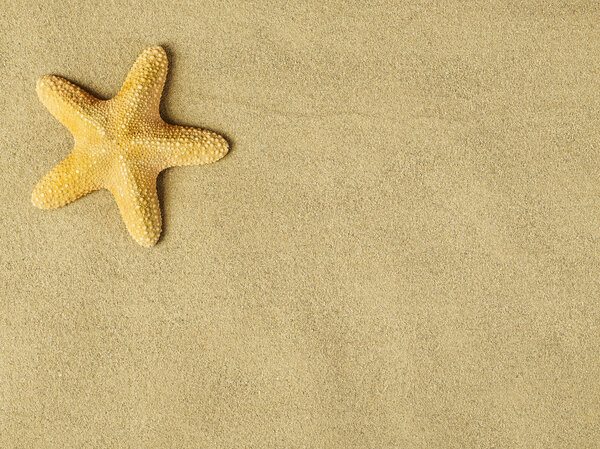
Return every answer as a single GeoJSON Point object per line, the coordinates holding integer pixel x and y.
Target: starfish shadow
{"type": "Point", "coordinates": [160, 191]}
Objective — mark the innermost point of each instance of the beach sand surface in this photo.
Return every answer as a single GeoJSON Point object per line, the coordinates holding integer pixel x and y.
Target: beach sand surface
{"type": "Point", "coordinates": [401, 250]}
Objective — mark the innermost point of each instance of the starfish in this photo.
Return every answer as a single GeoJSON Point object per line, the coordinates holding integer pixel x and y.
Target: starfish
{"type": "Point", "coordinates": [121, 145]}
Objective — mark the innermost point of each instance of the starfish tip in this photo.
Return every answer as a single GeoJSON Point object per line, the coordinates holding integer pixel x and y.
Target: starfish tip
{"type": "Point", "coordinates": [156, 50]}
{"type": "Point", "coordinates": [47, 86]}
{"type": "Point", "coordinates": [147, 240]}
{"type": "Point", "coordinates": [46, 79]}
{"type": "Point", "coordinates": [39, 201]}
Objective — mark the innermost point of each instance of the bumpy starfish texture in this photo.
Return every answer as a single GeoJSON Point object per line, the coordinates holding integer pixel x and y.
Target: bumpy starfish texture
{"type": "Point", "coordinates": [121, 144]}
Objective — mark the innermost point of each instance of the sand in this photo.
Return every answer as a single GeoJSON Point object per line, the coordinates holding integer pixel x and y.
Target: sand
{"type": "Point", "coordinates": [400, 251]}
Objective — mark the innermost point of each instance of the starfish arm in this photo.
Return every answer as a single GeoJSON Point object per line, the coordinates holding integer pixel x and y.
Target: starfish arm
{"type": "Point", "coordinates": [69, 180]}
{"type": "Point", "coordinates": [141, 91]}
{"type": "Point", "coordinates": [184, 145]}
{"type": "Point", "coordinates": [75, 108]}
{"type": "Point", "coordinates": [135, 194]}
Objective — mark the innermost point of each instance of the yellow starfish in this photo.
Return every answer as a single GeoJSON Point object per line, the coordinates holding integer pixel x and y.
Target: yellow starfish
{"type": "Point", "coordinates": [121, 144]}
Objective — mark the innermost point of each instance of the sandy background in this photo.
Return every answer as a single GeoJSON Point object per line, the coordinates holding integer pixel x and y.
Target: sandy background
{"type": "Point", "coordinates": [400, 251]}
